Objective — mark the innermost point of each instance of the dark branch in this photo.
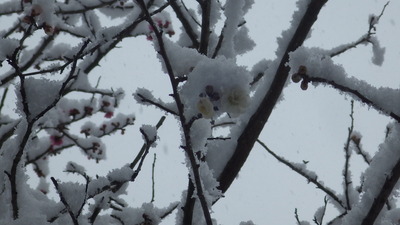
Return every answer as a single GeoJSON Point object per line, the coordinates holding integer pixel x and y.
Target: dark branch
{"type": "Point", "coordinates": [185, 23]}
{"type": "Point", "coordinates": [347, 151]}
{"type": "Point", "coordinates": [205, 26]}
{"type": "Point", "coordinates": [381, 198]}
{"type": "Point", "coordinates": [64, 201]}
{"type": "Point", "coordinates": [260, 117]}
{"type": "Point", "coordinates": [356, 93]}
{"type": "Point", "coordinates": [310, 179]}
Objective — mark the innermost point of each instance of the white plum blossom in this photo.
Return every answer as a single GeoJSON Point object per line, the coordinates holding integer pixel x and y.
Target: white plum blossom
{"type": "Point", "coordinates": [205, 107]}
{"type": "Point", "coordinates": [235, 101]}
{"type": "Point", "coordinates": [216, 86]}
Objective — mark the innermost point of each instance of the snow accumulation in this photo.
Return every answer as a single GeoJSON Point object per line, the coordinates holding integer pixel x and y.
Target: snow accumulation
{"type": "Point", "coordinates": [320, 65]}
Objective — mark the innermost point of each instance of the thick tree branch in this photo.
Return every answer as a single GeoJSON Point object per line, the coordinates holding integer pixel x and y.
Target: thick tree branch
{"type": "Point", "coordinates": [185, 23]}
{"type": "Point", "coordinates": [260, 117]}
{"type": "Point", "coordinates": [381, 198]}
{"type": "Point", "coordinates": [205, 26]}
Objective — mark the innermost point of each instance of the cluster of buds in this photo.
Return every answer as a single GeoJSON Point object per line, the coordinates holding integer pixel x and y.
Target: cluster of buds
{"type": "Point", "coordinates": [37, 10]}
{"type": "Point", "coordinates": [107, 108]}
{"type": "Point", "coordinates": [74, 112]}
{"type": "Point", "coordinates": [56, 140]}
{"type": "Point", "coordinates": [94, 151]}
{"type": "Point", "coordinates": [87, 111]}
{"type": "Point", "coordinates": [301, 75]}
{"type": "Point", "coordinates": [208, 102]}
{"type": "Point", "coordinates": [164, 26]}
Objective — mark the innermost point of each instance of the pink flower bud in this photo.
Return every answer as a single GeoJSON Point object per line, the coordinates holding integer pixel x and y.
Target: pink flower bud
{"type": "Point", "coordinates": [56, 140]}
{"type": "Point", "coordinates": [109, 114]}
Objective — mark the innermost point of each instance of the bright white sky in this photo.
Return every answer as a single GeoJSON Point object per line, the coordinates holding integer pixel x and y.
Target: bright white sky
{"type": "Point", "coordinates": [308, 125]}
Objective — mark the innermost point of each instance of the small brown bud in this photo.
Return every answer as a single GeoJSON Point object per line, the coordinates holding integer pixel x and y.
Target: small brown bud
{"type": "Point", "coordinates": [171, 33]}
{"type": "Point", "coordinates": [302, 70]}
{"type": "Point", "coordinates": [304, 85]}
{"type": "Point", "coordinates": [296, 78]}
{"type": "Point", "coordinates": [356, 139]}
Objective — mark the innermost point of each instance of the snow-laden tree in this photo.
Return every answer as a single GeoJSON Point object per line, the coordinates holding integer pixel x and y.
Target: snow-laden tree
{"type": "Point", "coordinates": [49, 49]}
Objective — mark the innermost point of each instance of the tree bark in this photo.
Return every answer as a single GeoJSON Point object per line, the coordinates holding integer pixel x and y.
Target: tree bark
{"type": "Point", "coordinates": [256, 123]}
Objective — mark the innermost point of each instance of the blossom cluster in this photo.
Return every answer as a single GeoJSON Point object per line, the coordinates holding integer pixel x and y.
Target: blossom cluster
{"type": "Point", "coordinates": [215, 87]}
{"type": "Point", "coordinates": [163, 24]}
{"type": "Point", "coordinates": [234, 101]}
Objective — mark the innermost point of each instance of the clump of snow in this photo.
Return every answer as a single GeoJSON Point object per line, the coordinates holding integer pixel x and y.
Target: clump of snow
{"type": "Point", "coordinates": [149, 134]}
{"type": "Point", "coordinates": [236, 38]}
{"type": "Point", "coordinates": [93, 147]}
{"type": "Point", "coordinates": [378, 52]}
{"type": "Point", "coordinates": [74, 194]}
{"type": "Point", "coordinates": [143, 93]}
{"type": "Point", "coordinates": [75, 168]}
{"type": "Point", "coordinates": [199, 132]}
{"type": "Point", "coordinates": [121, 175]}
{"type": "Point", "coordinates": [247, 223]}
{"type": "Point", "coordinates": [40, 93]}
{"type": "Point", "coordinates": [319, 64]}
{"type": "Point", "coordinates": [242, 42]}
{"type": "Point", "coordinates": [7, 47]}
{"type": "Point", "coordinates": [182, 59]}
{"type": "Point", "coordinates": [234, 15]}
{"type": "Point", "coordinates": [146, 214]}
{"type": "Point", "coordinates": [95, 186]}
{"type": "Point", "coordinates": [218, 153]}
{"type": "Point", "coordinates": [287, 35]}
{"type": "Point", "coordinates": [375, 176]}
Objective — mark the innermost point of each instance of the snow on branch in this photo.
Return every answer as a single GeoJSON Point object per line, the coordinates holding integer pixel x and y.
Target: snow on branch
{"type": "Point", "coordinates": [378, 51]}
{"type": "Point", "coordinates": [313, 65]}
{"type": "Point", "coordinates": [311, 176]}
{"type": "Point", "coordinates": [381, 180]}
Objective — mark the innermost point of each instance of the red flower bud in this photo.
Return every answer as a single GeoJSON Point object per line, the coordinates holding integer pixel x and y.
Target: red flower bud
{"type": "Point", "coordinates": [109, 114]}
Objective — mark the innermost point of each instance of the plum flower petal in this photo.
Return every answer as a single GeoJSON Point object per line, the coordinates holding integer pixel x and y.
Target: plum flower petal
{"type": "Point", "coordinates": [235, 101]}
{"type": "Point", "coordinates": [205, 107]}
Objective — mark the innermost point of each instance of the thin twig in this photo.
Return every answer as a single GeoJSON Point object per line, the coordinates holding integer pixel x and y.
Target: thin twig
{"type": "Point", "coordinates": [143, 149]}
{"type": "Point", "coordinates": [347, 151]}
{"type": "Point", "coordinates": [365, 38]}
{"type": "Point", "coordinates": [313, 180]}
{"type": "Point", "coordinates": [319, 221]}
{"type": "Point", "coordinates": [64, 201]}
{"type": "Point", "coordinates": [360, 96]}
{"type": "Point", "coordinates": [152, 178]}
{"type": "Point", "coordinates": [3, 98]}
{"type": "Point", "coordinates": [296, 216]}
{"type": "Point", "coordinates": [189, 30]}
{"type": "Point", "coordinates": [156, 104]}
